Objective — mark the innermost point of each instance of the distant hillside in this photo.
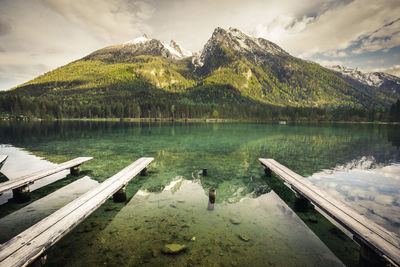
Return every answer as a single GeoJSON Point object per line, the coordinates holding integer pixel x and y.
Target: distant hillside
{"type": "Point", "coordinates": [380, 84]}
{"type": "Point", "coordinates": [233, 72]}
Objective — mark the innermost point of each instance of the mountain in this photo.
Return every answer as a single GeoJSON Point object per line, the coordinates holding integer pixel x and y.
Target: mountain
{"type": "Point", "coordinates": [232, 72]}
{"type": "Point", "coordinates": [370, 82]}
{"type": "Point", "coordinates": [139, 46]}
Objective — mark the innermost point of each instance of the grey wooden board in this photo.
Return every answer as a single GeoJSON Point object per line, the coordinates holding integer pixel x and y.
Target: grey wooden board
{"type": "Point", "coordinates": [2, 160]}
{"type": "Point", "coordinates": [24, 248]}
{"type": "Point", "coordinates": [30, 178]}
{"type": "Point", "coordinates": [376, 237]}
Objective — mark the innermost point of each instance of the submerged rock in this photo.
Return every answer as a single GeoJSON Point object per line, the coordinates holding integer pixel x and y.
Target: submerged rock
{"type": "Point", "coordinates": [234, 220]}
{"type": "Point", "coordinates": [154, 253]}
{"type": "Point", "coordinates": [173, 249]}
{"type": "Point", "coordinates": [244, 238]}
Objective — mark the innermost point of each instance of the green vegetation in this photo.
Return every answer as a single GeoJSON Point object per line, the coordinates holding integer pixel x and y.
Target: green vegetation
{"type": "Point", "coordinates": [230, 85]}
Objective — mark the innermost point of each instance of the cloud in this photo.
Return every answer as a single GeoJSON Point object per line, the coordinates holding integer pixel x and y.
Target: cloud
{"type": "Point", "coordinates": [384, 39]}
{"type": "Point", "coordinates": [337, 28]}
{"type": "Point", "coordinates": [394, 70]}
{"type": "Point", "coordinates": [108, 20]}
{"type": "Point", "coordinates": [53, 33]}
{"type": "Point", "coordinates": [5, 26]}
{"type": "Point", "coordinates": [325, 62]}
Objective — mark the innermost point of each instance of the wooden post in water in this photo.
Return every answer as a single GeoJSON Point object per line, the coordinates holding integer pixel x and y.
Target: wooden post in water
{"type": "Point", "coordinates": [39, 262]}
{"type": "Point", "coordinates": [22, 194]}
{"type": "Point", "coordinates": [368, 256]}
{"type": "Point", "coordinates": [120, 195]}
{"type": "Point", "coordinates": [74, 170]}
{"type": "Point", "coordinates": [143, 172]}
{"type": "Point", "coordinates": [267, 172]}
{"type": "Point", "coordinates": [301, 203]}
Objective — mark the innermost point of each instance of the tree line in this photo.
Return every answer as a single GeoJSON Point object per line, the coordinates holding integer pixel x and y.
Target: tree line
{"type": "Point", "coordinates": [15, 106]}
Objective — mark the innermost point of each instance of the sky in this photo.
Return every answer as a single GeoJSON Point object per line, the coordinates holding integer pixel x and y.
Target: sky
{"type": "Point", "coordinates": [37, 36]}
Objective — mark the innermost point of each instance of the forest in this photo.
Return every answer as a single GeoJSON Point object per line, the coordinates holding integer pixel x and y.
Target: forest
{"type": "Point", "coordinates": [29, 108]}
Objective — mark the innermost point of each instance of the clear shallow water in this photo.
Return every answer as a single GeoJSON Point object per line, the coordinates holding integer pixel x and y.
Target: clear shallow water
{"type": "Point", "coordinates": [371, 189]}
{"type": "Point", "coordinates": [230, 152]}
{"type": "Point", "coordinates": [136, 235]}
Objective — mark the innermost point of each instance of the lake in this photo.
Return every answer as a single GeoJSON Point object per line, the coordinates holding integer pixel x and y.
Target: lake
{"type": "Point", "coordinates": [252, 222]}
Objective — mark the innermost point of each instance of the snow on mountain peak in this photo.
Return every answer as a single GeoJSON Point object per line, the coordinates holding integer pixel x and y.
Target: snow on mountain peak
{"type": "Point", "coordinates": [176, 50]}
{"type": "Point", "coordinates": [375, 79]}
{"type": "Point", "coordinates": [173, 48]}
{"type": "Point", "coordinates": [138, 40]}
{"type": "Point", "coordinates": [236, 40]}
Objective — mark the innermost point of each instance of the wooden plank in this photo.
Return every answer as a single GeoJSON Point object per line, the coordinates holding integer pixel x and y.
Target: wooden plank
{"type": "Point", "coordinates": [30, 244]}
{"type": "Point", "coordinates": [376, 237]}
{"type": "Point", "coordinates": [382, 231]}
{"type": "Point", "coordinates": [395, 239]}
{"type": "Point", "coordinates": [30, 178]}
{"type": "Point", "coordinates": [2, 160]}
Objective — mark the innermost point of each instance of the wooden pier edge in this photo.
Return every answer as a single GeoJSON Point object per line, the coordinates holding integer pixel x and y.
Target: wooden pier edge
{"type": "Point", "coordinates": [31, 244]}
{"type": "Point", "coordinates": [20, 186]}
{"type": "Point", "coordinates": [365, 232]}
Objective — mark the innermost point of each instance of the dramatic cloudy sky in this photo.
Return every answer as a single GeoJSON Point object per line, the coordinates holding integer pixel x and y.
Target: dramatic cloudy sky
{"type": "Point", "coordinates": [39, 35]}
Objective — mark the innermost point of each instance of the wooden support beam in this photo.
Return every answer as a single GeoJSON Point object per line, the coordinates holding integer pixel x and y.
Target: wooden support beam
{"type": "Point", "coordinates": [301, 203]}
{"type": "Point", "coordinates": [143, 172]}
{"type": "Point", "coordinates": [369, 257]}
{"type": "Point", "coordinates": [22, 194]}
{"type": "Point", "coordinates": [120, 195]}
{"type": "Point", "coordinates": [267, 171]}
{"type": "Point", "coordinates": [75, 170]}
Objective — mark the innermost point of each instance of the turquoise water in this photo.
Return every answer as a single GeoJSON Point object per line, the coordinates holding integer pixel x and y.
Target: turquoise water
{"type": "Point", "coordinates": [269, 232]}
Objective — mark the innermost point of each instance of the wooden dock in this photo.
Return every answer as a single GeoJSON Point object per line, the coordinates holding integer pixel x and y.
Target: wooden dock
{"type": "Point", "coordinates": [32, 244]}
{"type": "Point", "coordinates": [370, 236]}
{"type": "Point", "coordinates": [20, 185]}
{"type": "Point", "coordinates": [2, 160]}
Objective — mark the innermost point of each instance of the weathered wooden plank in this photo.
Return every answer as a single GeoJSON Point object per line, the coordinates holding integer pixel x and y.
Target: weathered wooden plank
{"type": "Point", "coordinates": [30, 244]}
{"type": "Point", "coordinates": [2, 160]}
{"type": "Point", "coordinates": [30, 178]}
{"type": "Point", "coordinates": [392, 237]}
{"type": "Point", "coordinates": [379, 239]}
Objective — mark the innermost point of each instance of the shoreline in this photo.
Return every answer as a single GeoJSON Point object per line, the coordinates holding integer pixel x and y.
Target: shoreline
{"type": "Point", "coordinates": [199, 120]}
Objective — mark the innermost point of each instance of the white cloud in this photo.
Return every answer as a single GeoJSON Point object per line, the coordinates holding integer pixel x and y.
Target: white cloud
{"type": "Point", "coordinates": [108, 20]}
{"type": "Point", "coordinates": [325, 63]}
{"type": "Point", "coordinates": [337, 28]}
{"type": "Point", "coordinates": [394, 70]}
{"type": "Point", "coordinates": [335, 53]}
{"type": "Point", "coordinates": [53, 33]}
{"type": "Point", "coordinates": [383, 39]}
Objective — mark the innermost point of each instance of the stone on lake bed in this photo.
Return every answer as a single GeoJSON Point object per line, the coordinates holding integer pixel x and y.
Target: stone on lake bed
{"type": "Point", "coordinates": [234, 220]}
{"type": "Point", "coordinates": [173, 249]}
{"type": "Point", "coordinates": [244, 238]}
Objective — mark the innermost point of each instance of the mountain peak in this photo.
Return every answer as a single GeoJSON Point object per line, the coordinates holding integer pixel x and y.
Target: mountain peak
{"type": "Point", "coordinates": [142, 39]}
{"type": "Point", "coordinates": [178, 50]}
{"type": "Point", "coordinates": [380, 80]}
{"type": "Point", "coordinates": [235, 40]}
